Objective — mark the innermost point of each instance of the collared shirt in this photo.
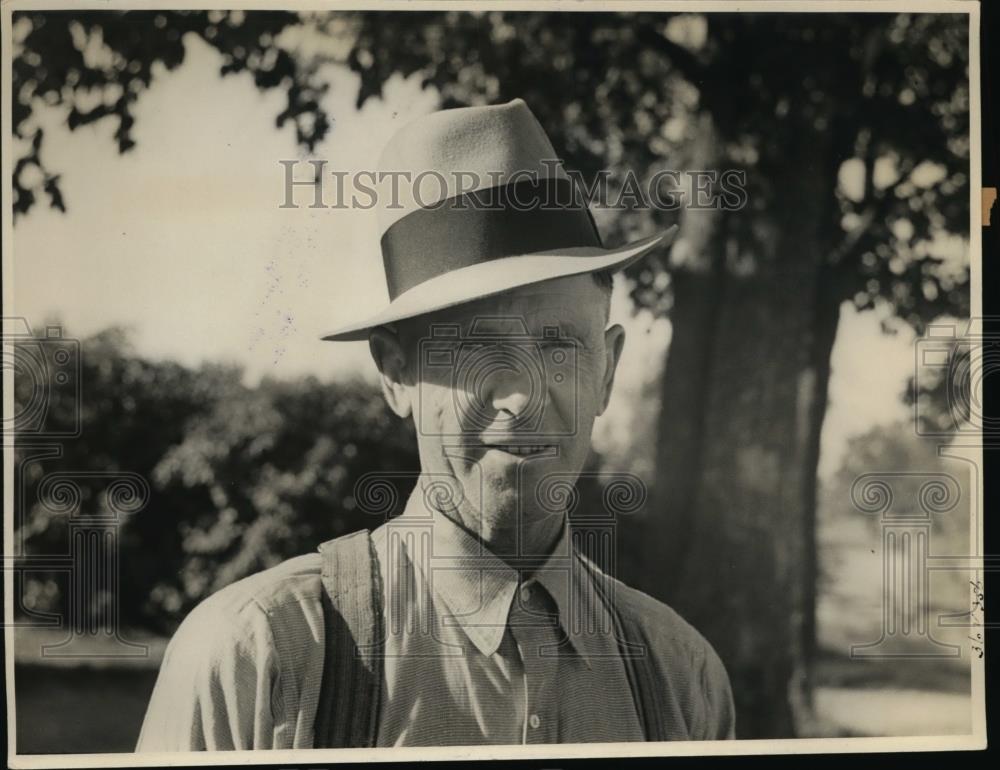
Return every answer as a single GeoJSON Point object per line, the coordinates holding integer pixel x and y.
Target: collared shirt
{"type": "Point", "coordinates": [471, 658]}
{"type": "Point", "coordinates": [478, 653]}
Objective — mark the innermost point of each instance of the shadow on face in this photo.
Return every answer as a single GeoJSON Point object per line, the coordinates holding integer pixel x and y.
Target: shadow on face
{"type": "Point", "coordinates": [503, 393]}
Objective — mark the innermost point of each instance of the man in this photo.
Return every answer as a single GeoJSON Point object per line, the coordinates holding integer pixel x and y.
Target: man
{"type": "Point", "coordinates": [472, 617]}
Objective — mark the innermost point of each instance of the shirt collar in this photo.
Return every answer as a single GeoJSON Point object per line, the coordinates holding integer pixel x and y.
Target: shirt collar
{"type": "Point", "coordinates": [477, 587]}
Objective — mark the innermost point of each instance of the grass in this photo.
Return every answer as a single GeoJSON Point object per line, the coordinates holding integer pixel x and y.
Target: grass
{"type": "Point", "coordinates": [80, 709]}
{"type": "Point", "coordinates": [940, 675]}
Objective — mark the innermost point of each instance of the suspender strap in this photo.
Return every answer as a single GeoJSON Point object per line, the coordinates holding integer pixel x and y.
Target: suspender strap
{"type": "Point", "coordinates": [350, 692]}
{"type": "Point", "coordinates": [634, 649]}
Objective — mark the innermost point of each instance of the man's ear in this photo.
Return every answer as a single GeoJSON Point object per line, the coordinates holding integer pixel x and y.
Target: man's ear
{"type": "Point", "coordinates": [390, 358]}
{"type": "Point", "coordinates": [614, 343]}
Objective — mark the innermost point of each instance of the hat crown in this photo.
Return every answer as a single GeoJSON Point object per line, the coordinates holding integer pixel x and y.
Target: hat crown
{"type": "Point", "coordinates": [462, 150]}
{"type": "Point", "coordinates": [499, 212]}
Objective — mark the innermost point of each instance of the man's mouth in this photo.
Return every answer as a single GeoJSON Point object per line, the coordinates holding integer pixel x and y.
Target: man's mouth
{"type": "Point", "coordinates": [521, 450]}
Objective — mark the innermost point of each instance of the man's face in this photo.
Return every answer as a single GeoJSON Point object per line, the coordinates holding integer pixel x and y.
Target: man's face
{"type": "Point", "coordinates": [503, 392]}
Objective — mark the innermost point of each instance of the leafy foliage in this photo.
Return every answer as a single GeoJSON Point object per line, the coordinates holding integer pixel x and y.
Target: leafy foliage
{"type": "Point", "coordinates": [945, 399]}
{"type": "Point", "coordinates": [879, 101]}
{"type": "Point", "coordinates": [616, 91]}
{"type": "Point", "coordinates": [97, 64]}
{"type": "Point", "coordinates": [275, 469]}
{"type": "Point", "coordinates": [242, 477]}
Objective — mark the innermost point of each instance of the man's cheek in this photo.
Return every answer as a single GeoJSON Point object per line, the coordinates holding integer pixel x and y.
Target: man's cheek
{"type": "Point", "coordinates": [590, 381]}
{"type": "Point", "coordinates": [439, 416]}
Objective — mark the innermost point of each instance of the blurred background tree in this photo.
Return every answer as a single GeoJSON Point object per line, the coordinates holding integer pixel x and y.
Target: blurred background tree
{"type": "Point", "coordinates": [853, 132]}
{"type": "Point", "coordinates": [896, 448]}
{"type": "Point", "coordinates": [273, 472]}
{"type": "Point", "coordinates": [243, 477]}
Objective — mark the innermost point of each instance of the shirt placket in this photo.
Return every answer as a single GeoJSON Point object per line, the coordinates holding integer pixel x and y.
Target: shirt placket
{"type": "Point", "coordinates": [533, 622]}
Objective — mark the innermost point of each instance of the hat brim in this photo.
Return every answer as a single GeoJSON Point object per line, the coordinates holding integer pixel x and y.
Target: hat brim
{"type": "Point", "coordinates": [497, 276]}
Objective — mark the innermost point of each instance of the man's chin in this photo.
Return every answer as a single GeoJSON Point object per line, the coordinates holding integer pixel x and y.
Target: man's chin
{"type": "Point", "coordinates": [503, 492]}
{"type": "Point", "coordinates": [506, 508]}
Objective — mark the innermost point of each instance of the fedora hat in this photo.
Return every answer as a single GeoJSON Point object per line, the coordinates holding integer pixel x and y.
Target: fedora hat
{"type": "Point", "coordinates": [474, 202]}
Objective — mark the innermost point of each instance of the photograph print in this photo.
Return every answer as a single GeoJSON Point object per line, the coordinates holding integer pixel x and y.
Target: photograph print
{"type": "Point", "coordinates": [457, 380]}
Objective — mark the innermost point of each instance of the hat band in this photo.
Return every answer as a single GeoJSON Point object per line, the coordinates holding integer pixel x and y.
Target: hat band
{"type": "Point", "coordinates": [524, 217]}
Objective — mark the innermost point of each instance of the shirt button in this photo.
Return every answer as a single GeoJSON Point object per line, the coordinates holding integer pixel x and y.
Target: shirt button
{"type": "Point", "coordinates": [526, 594]}
{"type": "Point", "coordinates": [534, 721]}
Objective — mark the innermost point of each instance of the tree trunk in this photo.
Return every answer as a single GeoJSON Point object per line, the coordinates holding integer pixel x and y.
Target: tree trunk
{"type": "Point", "coordinates": [728, 539]}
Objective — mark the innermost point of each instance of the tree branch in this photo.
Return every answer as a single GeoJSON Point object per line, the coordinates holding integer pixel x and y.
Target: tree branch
{"type": "Point", "coordinates": [689, 65]}
{"type": "Point", "coordinates": [876, 210]}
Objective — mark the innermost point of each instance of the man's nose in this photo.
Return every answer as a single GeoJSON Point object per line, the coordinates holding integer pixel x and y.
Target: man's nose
{"type": "Point", "coordinates": [511, 391]}
{"type": "Point", "coordinates": [512, 386]}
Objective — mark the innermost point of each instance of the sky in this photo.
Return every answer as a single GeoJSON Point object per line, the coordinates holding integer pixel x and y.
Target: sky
{"type": "Point", "coordinates": [183, 241]}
